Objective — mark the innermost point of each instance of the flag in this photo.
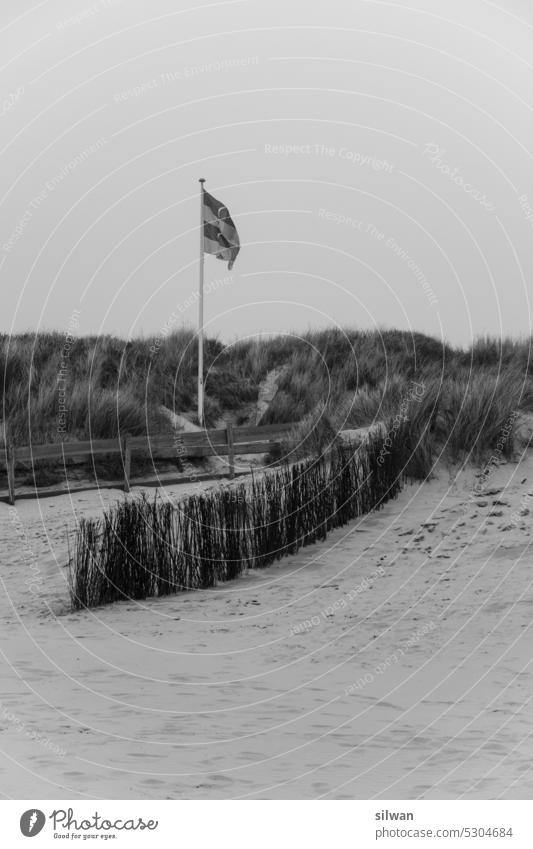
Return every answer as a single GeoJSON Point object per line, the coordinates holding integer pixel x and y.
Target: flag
{"type": "Point", "coordinates": [220, 234]}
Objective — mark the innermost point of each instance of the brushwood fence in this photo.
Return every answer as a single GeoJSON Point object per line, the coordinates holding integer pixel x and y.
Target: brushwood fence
{"type": "Point", "coordinates": [145, 547]}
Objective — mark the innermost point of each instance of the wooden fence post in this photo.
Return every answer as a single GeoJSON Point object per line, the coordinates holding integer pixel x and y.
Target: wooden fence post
{"type": "Point", "coordinates": [10, 451]}
{"type": "Point", "coordinates": [231, 452]}
{"type": "Point", "coordinates": [127, 462]}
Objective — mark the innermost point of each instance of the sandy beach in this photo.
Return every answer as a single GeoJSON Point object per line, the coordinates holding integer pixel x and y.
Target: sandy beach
{"type": "Point", "coordinates": [391, 661]}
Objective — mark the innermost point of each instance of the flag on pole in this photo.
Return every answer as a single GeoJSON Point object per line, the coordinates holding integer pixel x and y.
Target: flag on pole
{"type": "Point", "coordinates": [220, 234]}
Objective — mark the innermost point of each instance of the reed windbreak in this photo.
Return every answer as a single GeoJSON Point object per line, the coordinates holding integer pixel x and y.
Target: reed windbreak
{"type": "Point", "coordinates": [144, 548]}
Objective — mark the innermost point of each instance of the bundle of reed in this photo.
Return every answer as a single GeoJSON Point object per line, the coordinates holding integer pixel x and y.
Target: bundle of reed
{"type": "Point", "coordinates": [144, 548]}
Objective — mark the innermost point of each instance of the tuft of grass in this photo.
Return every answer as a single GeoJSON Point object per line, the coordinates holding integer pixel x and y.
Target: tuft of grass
{"type": "Point", "coordinates": [474, 411]}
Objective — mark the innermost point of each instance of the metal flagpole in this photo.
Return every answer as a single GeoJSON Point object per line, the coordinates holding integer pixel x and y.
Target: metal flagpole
{"type": "Point", "coordinates": [201, 313]}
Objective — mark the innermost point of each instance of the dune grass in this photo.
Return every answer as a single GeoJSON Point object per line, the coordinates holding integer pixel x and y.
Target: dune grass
{"type": "Point", "coordinates": [343, 379]}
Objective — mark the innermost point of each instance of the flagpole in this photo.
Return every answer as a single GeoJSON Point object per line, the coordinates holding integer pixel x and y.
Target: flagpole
{"type": "Point", "coordinates": [201, 312]}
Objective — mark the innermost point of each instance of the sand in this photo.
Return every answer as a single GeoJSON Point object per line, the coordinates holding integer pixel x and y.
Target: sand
{"type": "Point", "coordinates": [391, 661]}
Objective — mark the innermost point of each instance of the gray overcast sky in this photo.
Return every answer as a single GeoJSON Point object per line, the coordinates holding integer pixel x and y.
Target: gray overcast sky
{"type": "Point", "coordinates": [376, 158]}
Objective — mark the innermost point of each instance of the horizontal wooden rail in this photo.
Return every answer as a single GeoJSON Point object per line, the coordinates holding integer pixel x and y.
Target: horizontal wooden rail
{"type": "Point", "coordinates": [215, 437]}
{"type": "Point", "coordinates": [205, 443]}
{"type": "Point", "coordinates": [58, 450]}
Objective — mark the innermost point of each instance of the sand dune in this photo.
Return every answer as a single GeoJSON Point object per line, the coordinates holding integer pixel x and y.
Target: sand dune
{"type": "Point", "coordinates": [392, 661]}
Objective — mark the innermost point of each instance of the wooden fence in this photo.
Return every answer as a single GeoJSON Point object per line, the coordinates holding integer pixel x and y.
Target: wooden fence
{"type": "Point", "coordinates": [226, 441]}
